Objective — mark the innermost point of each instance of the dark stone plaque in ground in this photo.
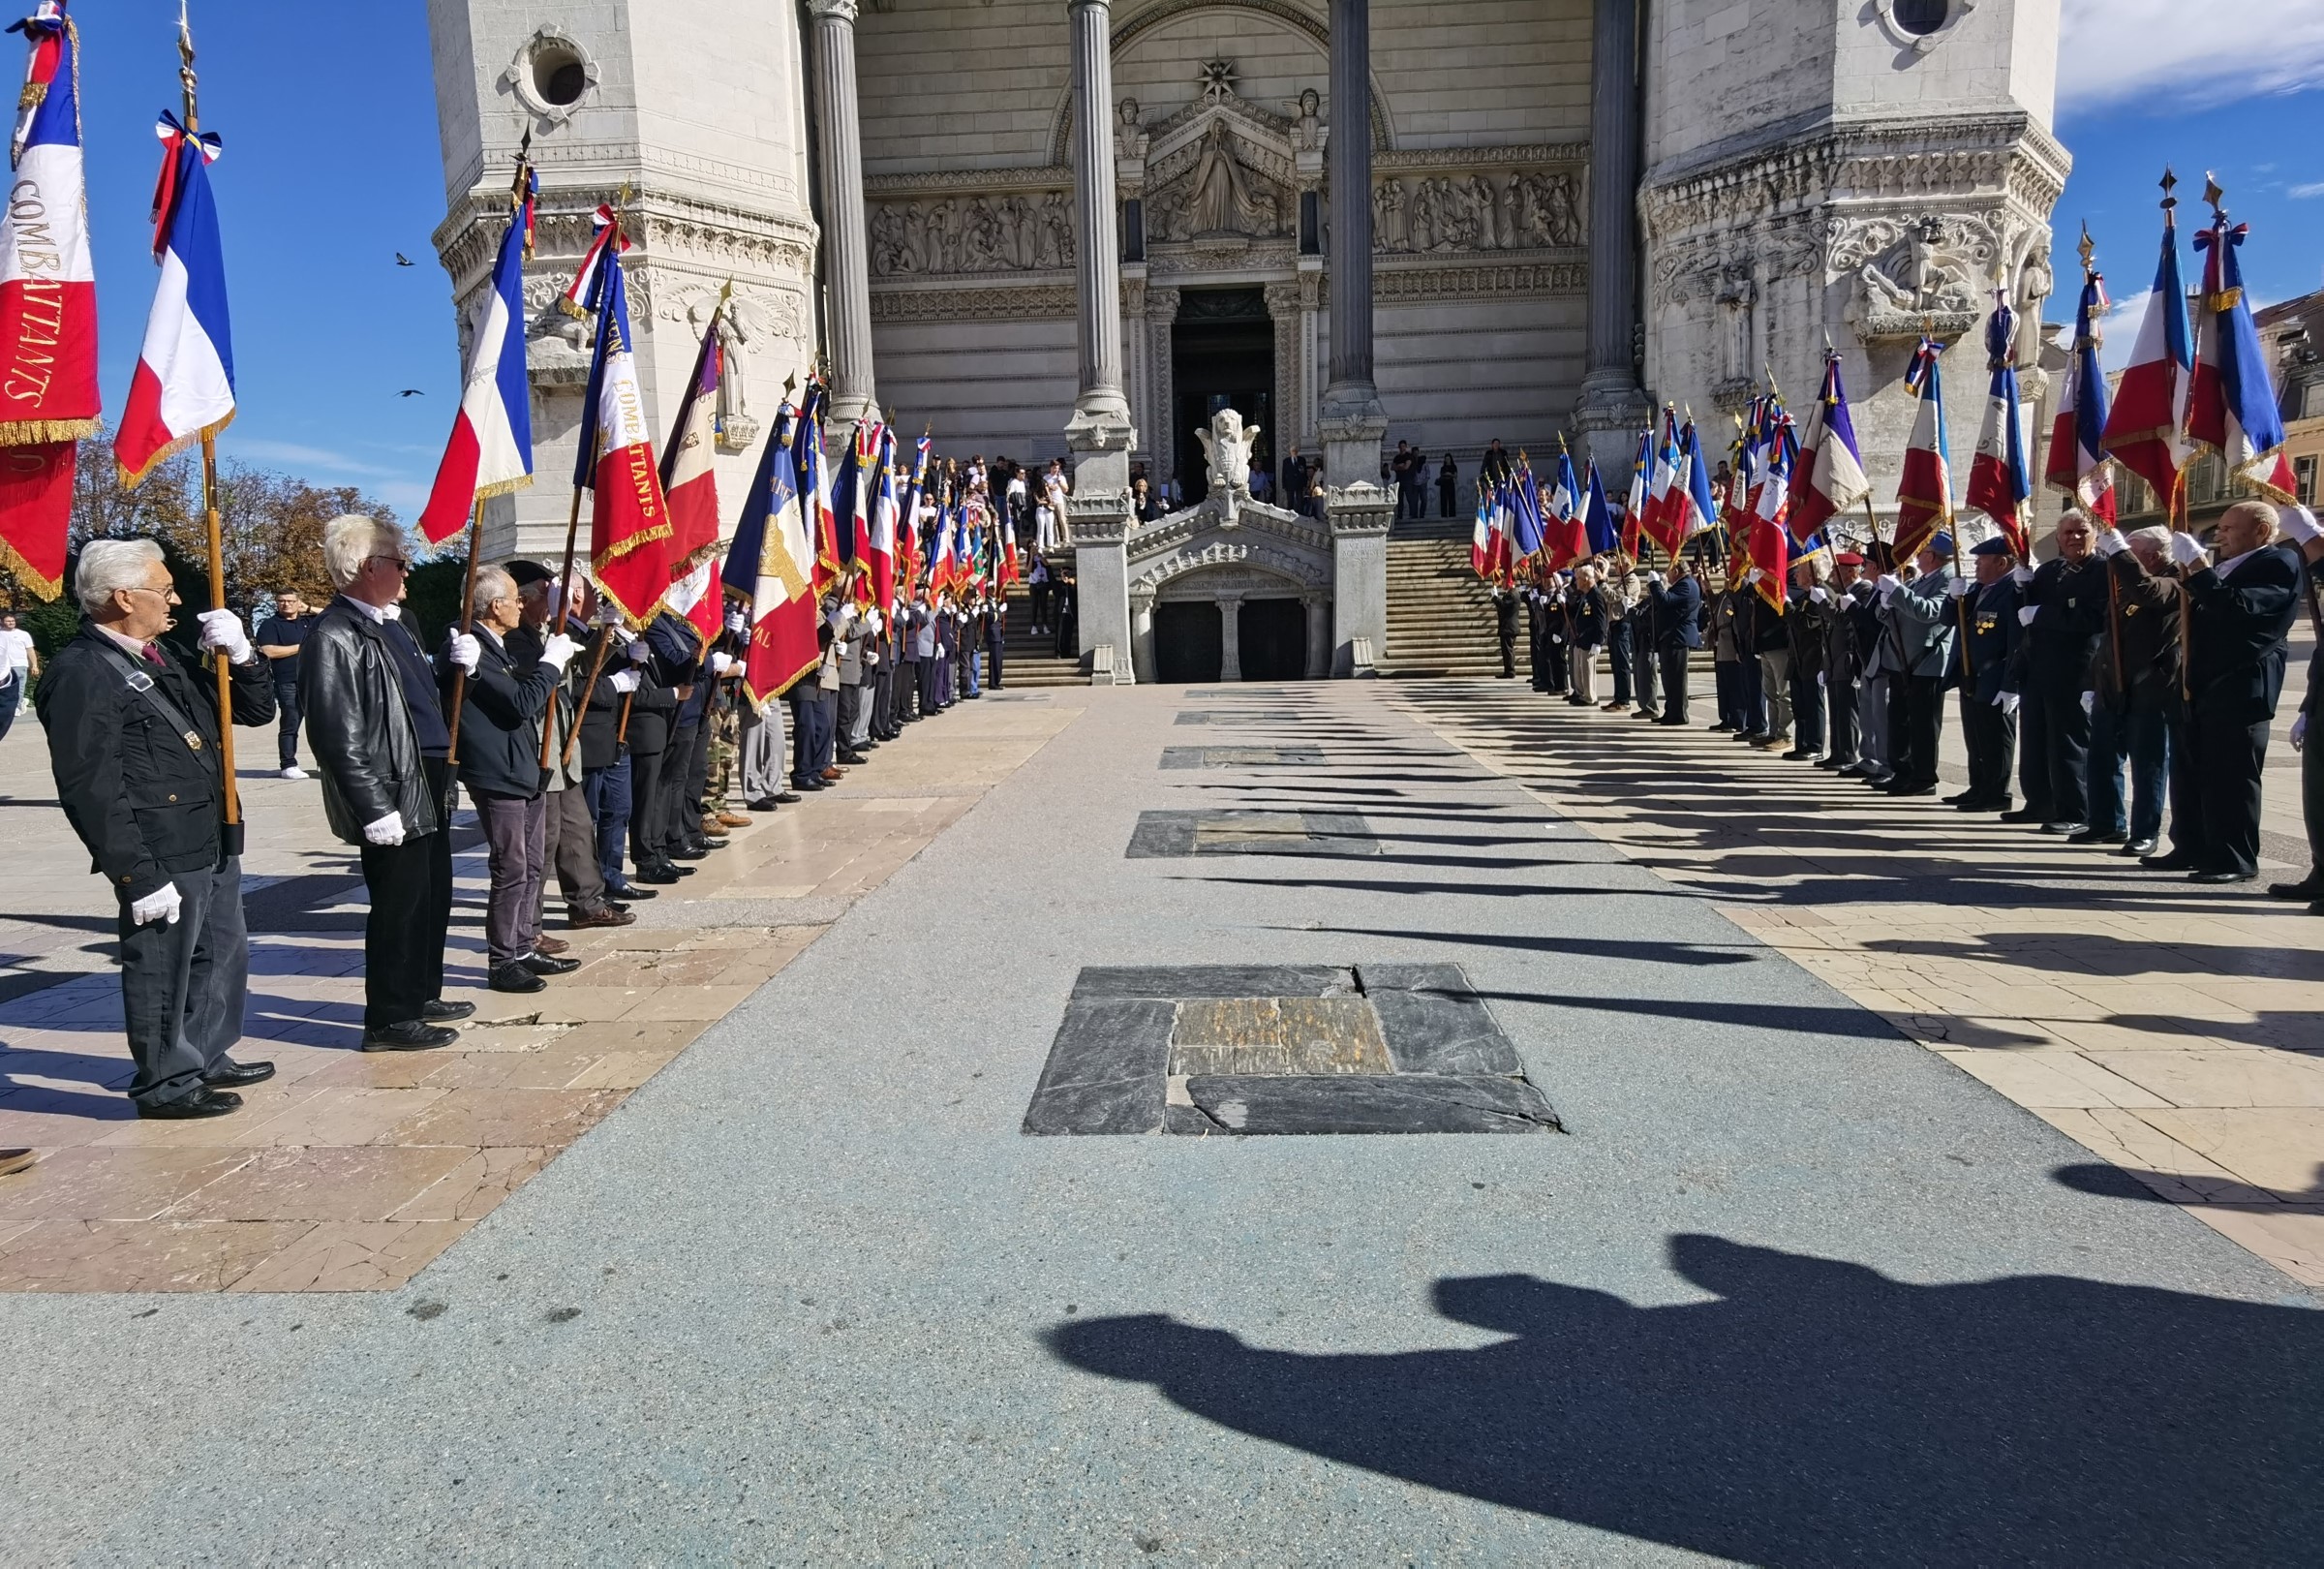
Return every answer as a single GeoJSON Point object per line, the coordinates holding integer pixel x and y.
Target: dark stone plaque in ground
{"type": "Point", "coordinates": [1239, 832]}
{"type": "Point", "coordinates": [1258, 1048]}
{"type": "Point", "coordinates": [1243, 757]}
{"type": "Point", "coordinates": [1241, 716]}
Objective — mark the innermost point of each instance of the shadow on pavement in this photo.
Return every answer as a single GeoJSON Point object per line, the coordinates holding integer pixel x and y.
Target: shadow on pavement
{"type": "Point", "coordinates": [1815, 1412]}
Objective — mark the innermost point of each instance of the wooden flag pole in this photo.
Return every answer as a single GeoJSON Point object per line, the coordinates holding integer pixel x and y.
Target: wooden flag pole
{"type": "Point", "coordinates": [468, 616]}
{"type": "Point", "coordinates": [596, 669]}
{"type": "Point", "coordinates": [209, 483]}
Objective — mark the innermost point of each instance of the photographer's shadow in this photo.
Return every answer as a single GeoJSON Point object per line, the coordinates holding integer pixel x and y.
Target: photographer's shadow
{"type": "Point", "coordinates": [1815, 1412]}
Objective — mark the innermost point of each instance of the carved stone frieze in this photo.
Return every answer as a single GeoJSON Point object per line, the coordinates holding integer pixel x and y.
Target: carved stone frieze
{"type": "Point", "coordinates": [1406, 285]}
{"type": "Point", "coordinates": [1484, 211]}
{"type": "Point", "coordinates": [992, 304]}
{"type": "Point", "coordinates": [1008, 231]}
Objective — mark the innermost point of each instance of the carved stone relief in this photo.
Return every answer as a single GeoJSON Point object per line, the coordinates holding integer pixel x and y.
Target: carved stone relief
{"type": "Point", "coordinates": [1022, 232]}
{"type": "Point", "coordinates": [1484, 211]}
{"type": "Point", "coordinates": [1910, 271]}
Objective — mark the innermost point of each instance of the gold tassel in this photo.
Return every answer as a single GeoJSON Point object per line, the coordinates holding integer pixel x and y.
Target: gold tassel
{"type": "Point", "coordinates": [38, 432]}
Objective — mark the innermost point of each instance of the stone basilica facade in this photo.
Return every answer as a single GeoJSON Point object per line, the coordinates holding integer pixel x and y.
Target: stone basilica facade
{"type": "Point", "coordinates": [1082, 228]}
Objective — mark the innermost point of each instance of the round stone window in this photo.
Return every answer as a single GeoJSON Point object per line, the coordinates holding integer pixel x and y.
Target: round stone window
{"type": "Point", "coordinates": [560, 77]}
{"type": "Point", "coordinates": [1922, 17]}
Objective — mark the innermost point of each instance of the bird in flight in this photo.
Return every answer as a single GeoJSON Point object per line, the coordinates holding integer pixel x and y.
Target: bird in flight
{"type": "Point", "coordinates": [403, 260]}
{"type": "Point", "coordinates": [410, 392]}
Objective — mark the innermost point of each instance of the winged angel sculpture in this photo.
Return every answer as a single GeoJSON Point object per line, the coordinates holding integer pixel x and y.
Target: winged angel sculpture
{"type": "Point", "coordinates": [1227, 447]}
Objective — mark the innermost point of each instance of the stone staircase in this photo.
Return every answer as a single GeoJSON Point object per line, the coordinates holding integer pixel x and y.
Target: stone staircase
{"type": "Point", "coordinates": [1028, 661]}
{"type": "Point", "coordinates": [1440, 614]}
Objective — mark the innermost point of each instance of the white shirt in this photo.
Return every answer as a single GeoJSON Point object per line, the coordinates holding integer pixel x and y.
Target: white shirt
{"type": "Point", "coordinates": [16, 645]}
{"type": "Point", "coordinates": [2233, 562]}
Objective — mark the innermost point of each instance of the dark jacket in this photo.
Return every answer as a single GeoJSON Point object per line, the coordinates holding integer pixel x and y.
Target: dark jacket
{"type": "Point", "coordinates": [602, 710]}
{"type": "Point", "coordinates": [1771, 631]}
{"type": "Point", "coordinates": [1989, 650]}
{"type": "Point", "coordinates": [2069, 615]}
{"type": "Point", "coordinates": [1586, 612]}
{"type": "Point", "coordinates": [1676, 608]}
{"type": "Point", "coordinates": [2138, 663]}
{"type": "Point", "coordinates": [2235, 635]}
{"type": "Point", "coordinates": [359, 727]}
{"type": "Point", "coordinates": [145, 797]}
{"type": "Point", "coordinates": [1810, 626]}
{"type": "Point", "coordinates": [500, 717]}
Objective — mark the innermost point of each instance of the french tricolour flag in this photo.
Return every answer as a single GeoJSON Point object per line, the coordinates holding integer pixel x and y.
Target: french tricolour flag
{"type": "Point", "coordinates": [767, 570]}
{"type": "Point", "coordinates": [690, 482]}
{"type": "Point", "coordinates": [491, 448]}
{"type": "Point", "coordinates": [2077, 462]}
{"type": "Point", "coordinates": [883, 527]}
{"type": "Point", "coordinates": [184, 386]}
{"type": "Point", "coordinates": [630, 526]}
{"type": "Point", "coordinates": [47, 311]}
{"type": "Point", "coordinates": [1999, 477]}
{"type": "Point", "coordinates": [1692, 506]}
{"type": "Point", "coordinates": [1924, 489]}
{"type": "Point", "coordinates": [2144, 429]}
{"type": "Point", "coordinates": [1662, 491]}
{"type": "Point", "coordinates": [2231, 410]}
{"type": "Point", "coordinates": [1830, 478]}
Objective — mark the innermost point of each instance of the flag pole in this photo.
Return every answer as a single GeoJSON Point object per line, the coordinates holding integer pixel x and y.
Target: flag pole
{"type": "Point", "coordinates": [564, 580]}
{"type": "Point", "coordinates": [209, 483]}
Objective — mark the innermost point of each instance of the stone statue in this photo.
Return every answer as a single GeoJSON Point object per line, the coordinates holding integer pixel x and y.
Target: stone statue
{"type": "Point", "coordinates": [1222, 197]}
{"type": "Point", "coordinates": [1226, 447]}
{"type": "Point", "coordinates": [1309, 135]}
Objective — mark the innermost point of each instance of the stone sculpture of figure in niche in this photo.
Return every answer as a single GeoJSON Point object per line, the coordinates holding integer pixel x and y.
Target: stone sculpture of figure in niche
{"type": "Point", "coordinates": [1227, 447]}
{"type": "Point", "coordinates": [1223, 202]}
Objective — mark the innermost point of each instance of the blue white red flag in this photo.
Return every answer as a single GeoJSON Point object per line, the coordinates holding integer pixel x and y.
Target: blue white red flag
{"type": "Point", "coordinates": [1480, 532]}
{"type": "Point", "coordinates": [1596, 517]}
{"type": "Point", "coordinates": [1526, 532]}
{"type": "Point", "coordinates": [815, 488]}
{"type": "Point", "coordinates": [2145, 431]}
{"type": "Point", "coordinates": [2000, 476]}
{"type": "Point", "coordinates": [1768, 542]}
{"type": "Point", "coordinates": [490, 451]}
{"type": "Point", "coordinates": [1642, 479]}
{"type": "Point", "coordinates": [2231, 408]}
{"type": "Point", "coordinates": [884, 514]}
{"type": "Point", "coordinates": [1694, 508]}
{"type": "Point", "coordinates": [1924, 489]}
{"type": "Point", "coordinates": [1661, 522]}
{"type": "Point", "coordinates": [184, 386]}
{"type": "Point", "coordinates": [1830, 478]}
{"type": "Point", "coordinates": [630, 528]}
{"type": "Point", "coordinates": [690, 485]}
{"type": "Point", "coordinates": [48, 398]}
{"type": "Point", "coordinates": [768, 571]}
{"type": "Point", "coordinates": [2077, 463]}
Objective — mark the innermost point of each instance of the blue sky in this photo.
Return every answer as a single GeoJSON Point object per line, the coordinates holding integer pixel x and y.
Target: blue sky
{"type": "Point", "coordinates": [332, 165]}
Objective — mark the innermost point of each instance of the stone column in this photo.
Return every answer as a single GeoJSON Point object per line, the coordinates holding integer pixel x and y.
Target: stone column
{"type": "Point", "coordinates": [1230, 636]}
{"type": "Point", "coordinates": [1319, 637]}
{"type": "Point", "coordinates": [846, 259]}
{"type": "Point", "coordinates": [1100, 434]}
{"type": "Point", "coordinates": [1612, 409]}
{"type": "Point", "coordinates": [1142, 633]}
{"type": "Point", "coordinates": [1353, 422]}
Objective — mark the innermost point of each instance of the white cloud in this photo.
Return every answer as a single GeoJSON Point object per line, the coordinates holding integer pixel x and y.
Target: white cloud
{"type": "Point", "coordinates": [2300, 192]}
{"type": "Point", "coordinates": [2110, 50]}
{"type": "Point", "coordinates": [2119, 332]}
{"type": "Point", "coordinates": [307, 457]}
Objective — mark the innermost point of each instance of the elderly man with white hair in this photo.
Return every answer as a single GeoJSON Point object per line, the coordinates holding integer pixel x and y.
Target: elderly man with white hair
{"type": "Point", "coordinates": [375, 724]}
{"type": "Point", "coordinates": [132, 740]}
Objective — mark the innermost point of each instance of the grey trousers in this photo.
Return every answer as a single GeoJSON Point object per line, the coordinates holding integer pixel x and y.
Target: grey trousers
{"type": "Point", "coordinates": [183, 984]}
{"type": "Point", "coordinates": [572, 847]}
{"type": "Point", "coordinates": [516, 837]}
{"type": "Point", "coordinates": [1775, 679]}
{"type": "Point", "coordinates": [761, 749]}
{"type": "Point", "coordinates": [865, 703]}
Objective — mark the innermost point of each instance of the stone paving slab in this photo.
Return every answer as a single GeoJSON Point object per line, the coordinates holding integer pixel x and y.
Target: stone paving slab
{"type": "Point", "coordinates": [351, 1171]}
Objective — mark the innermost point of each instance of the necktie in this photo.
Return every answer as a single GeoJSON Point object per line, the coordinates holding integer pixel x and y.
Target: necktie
{"type": "Point", "coordinates": [153, 656]}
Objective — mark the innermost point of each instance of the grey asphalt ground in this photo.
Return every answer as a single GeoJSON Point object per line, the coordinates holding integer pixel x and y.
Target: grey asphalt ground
{"type": "Point", "coordinates": [1790, 1289]}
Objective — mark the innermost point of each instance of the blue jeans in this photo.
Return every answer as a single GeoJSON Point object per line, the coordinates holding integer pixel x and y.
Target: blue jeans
{"type": "Point", "coordinates": [607, 792]}
{"type": "Point", "coordinates": [2142, 740]}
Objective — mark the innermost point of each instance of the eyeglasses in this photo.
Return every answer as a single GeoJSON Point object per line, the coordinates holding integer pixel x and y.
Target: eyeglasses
{"type": "Point", "coordinates": [397, 562]}
{"type": "Point", "coordinates": [167, 594]}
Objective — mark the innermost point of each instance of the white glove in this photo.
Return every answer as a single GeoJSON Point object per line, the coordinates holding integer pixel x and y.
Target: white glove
{"type": "Point", "coordinates": [1821, 683]}
{"type": "Point", "coordinates": [222, 629]}
{"type": "Point", "coordinates": [871, 658]}
{"type": "Point", "coordinates": [625, 681]}
{"type": "Point", "coordinates": [1959, 588]}
{"type": "Point", "coordinates": [871, 620]}
{"type": "Point", "coordinates": [162, 903]}
{"type": "Point", "coordinates": [2007, 702]}
{"type": "Point", "coordinates": [1754, 575]}
{"type": "Point", "coordinates": [2298, 731]}
{"type": "Point", "coordinates": [465, 650]}
{"type": "Point", "coordinates": [2089, 702]}
{"type": "Point", "coordinates": [1819, 595]}
{"type": "Point", "coordinates": [737, 622]}
{"type": "Point", "coordinates": [721, 664]}
{"type": "Point", "coordinates": [389, 830]}
{"type": "Point", "coordinates": [638, 650]}
{"type": "Point", "coordinates": [609, 614]}
{"type": "Point", "coordinates": [2297, 523]}
{"type": "Point", "coordinates": [558, 652]}
{"type": "Point", "coordinates": [2186, 549]}
{"type": "Point", "coordinates": [2025, 614]}
{"type": "Point", "coordinates": [2021, 576]}
{"type": "Point", "coordinates": [2112, 543]}
{"type": "Point", "coordinates": [1888, 584]}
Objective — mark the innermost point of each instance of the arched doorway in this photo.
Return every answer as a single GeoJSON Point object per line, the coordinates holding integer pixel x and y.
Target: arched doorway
{"type": "Point", "coordinates": [1189, 640]}
{"type": "Point", "coordinates": [1273, 638]}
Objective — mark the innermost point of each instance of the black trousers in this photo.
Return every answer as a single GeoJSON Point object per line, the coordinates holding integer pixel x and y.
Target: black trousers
{"type": "Point", "coordinates": [285, 707]}
{"type": "Point", "coordinates": [1915, 728]}
{"type": "Point", "coordinates": [2218, 797]}
{"type": "Point", "coordinates": [883, 704]}
{"type": "Point", "coordinates": [907, 697]}
{"type": "Point", "coordinates": [993, 649]}
{"type": "Point", "coordinates": [1848, 726]}
{"type": "Point", "coordinates": [1643, 658]}
{"type": "Point", "coordinates": [2053, 764]}
{"type": "Point", "coordinates": [1674, 684]}
{"type": "Point", "coordinates": [850, 706]}
{"type": "Point", "coordinates": [2311, 799]}
{"type": "Point", "coordinates": [645, 807]}
{"type": "Point", "coordinates": [183, 984]}
{"type": "Point", "coordinates": [411, 887]}
{"type": "Point", "coordinates": [1807, 710]}
{"type": "Point", "coordinates": [806, 709]}
{"type": "Point", "coordinates": [1991, 737]}
{"type": "Point", "coordinates": [670, 820]}
{"type": "Point", "coordinates": [1509, 652]}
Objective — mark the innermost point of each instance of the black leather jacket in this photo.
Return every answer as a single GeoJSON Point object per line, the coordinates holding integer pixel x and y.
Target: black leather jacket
{"type": "Point", "coordinates": [360, 730]}
{"type": "Point", "coordinates": [146, 799]}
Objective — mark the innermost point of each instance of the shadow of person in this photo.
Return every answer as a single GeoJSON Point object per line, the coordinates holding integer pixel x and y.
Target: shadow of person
{"type": "Point", "coordinates": [1815, 1412]}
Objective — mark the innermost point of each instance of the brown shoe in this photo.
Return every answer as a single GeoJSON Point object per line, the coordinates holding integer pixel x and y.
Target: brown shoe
{"type": "Point", "coordinates": [13, 1162]}
{"type": "Point", "coordinates": [833, 774]}
{"type": "Point", "coordinates": [733, 819]}
{"type": "Point", "coordinates": [581, 920]}
{"type": "Point", "coordinates": [544, 943]}
{"type": "Point", "coordinates": [713, 828]}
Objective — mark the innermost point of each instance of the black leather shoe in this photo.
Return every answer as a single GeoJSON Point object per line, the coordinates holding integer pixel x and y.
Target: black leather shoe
{"type": "Point", "coordinates": [1799, 755]}
{"type": "Point", "coordinates": [203, 1102]}
{"type": "Point", "coordinates": [2137, 848]}
{"type": "Point", "coordinates": [2222, 876]}
{"type": "Point", "coordinates": [1720, 729]}
{"type": "Point", "coordinates": [765, 803]}
{"type": "Point", "coordinates": [2175, 861]}
{"type": "Point", "coordinates": [2067, 829]}
{"type": "Point", "coordinates": [412, 1035]}
{"type": "Point", "coordinates": [1961, 799]}
{"type": "Point", "coordinates": [2098, 836]}
{"type": "Point", "coordinates": [662, 871]}
{"type": "Point", "coordinates": [787, 798]}
{"type": "Point", "coordinates": [2306, 889]}
{"type": "Point", "coordinates": [704, 845]}
{"type": "Point", "coordinates": [2021, 814]}
{"type": "Point", "coordinates": [542, 964]}
{"type": "Point", "coordinates": [441, 1012]}
{"type": "Point", "coordinates": [230, 1075]}
{"type": "Point", "coordinates": [515, 976]}
{"type": "Point", "coordinates": [621, 895]}
{"type": "Point", "coordinates": [687, 853]}
{"type": "Point", "coordinates": [872, 745]}
{"type": "Point", "coordinates": [1913, 789]}
{"type": "Point", "coordinates": [1836, 765]}
{"type": "Point", "coordinates": [851, 759]}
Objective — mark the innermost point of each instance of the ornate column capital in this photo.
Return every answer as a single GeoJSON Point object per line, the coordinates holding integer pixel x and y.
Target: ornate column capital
{"type": "Point", "coordinates": [838, 10]}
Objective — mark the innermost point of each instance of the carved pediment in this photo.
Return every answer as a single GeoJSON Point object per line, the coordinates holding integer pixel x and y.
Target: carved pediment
{"type": "Point", "coordinates": [1221, 172]}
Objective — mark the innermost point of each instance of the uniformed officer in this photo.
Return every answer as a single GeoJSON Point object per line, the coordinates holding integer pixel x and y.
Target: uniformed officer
{"type": "Point", "coordinates": [1842, 658]}
{"type": "Point", "coordinates": [1923, 615]}
{"type": "Point", "coordinates": [2063, 607]}
{"type": "Point", "coordinates": [1505, 629]}
{"type": "Point", "coordinates": [1809, 621]}
{"type": "Point", "coordinates": [1989, 637]}
{"type": "Point", "coordinates": [2139, 691]}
